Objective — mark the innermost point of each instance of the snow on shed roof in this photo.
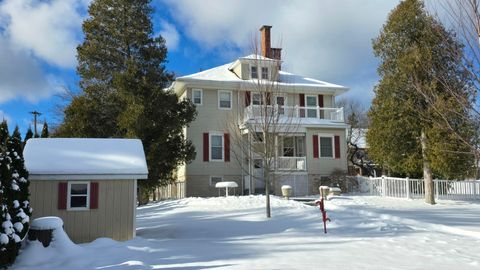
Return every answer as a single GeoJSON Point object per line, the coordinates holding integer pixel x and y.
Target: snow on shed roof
{"type": "Point", "coordinates": [121, 158]}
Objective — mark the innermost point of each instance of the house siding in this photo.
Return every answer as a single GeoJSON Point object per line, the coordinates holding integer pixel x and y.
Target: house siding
{"type": "Point", "coordinates": [114, 217]}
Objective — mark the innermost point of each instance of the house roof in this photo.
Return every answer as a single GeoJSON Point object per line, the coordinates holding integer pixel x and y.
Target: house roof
{"type": "Point", "coordinates": [78, 158]}
{"type": "Point", "coordinates": [223, 75]}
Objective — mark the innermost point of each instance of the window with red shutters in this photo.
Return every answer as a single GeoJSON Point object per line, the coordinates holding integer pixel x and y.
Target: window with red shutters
{"type": "Point", "coordinates": [302, 104]}
{"type": "Point", "coordinates": [247, 98]}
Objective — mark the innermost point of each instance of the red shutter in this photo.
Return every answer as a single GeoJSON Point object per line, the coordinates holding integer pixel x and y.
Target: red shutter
{"type": "Point", "coordinates": [226, 141]}
{"type": "Point", "coordinates": [62, 195]}
{"type": "Point", "coordinates": [337, 146]}
{"type": "Point", "coordinates": [206, 155]}
{"type": "Point", "coordinates": [315, 146]}
{"type": "Point", "coordinates": [320, 101]}
{"type": "Point", "coordinates": [302, 104]}
{"type": "Point", "coordinates": [247, 98]}
{"type": "Point", "coordinates": [93, 195]}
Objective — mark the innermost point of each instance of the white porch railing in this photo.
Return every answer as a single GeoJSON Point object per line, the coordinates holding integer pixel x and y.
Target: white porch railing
{"type": "Point", "coordinates": [414, 188]}
{"type": "Point", "coordinates": [292, 163]}
{"type": "Point", "coordinates": [258, 111]}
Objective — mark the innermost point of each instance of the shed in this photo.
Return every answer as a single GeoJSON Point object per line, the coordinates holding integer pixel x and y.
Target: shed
{"type": "Point", "coordinates": [90, 183]}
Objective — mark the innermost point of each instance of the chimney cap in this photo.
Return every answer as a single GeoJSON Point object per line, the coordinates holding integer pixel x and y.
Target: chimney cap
{"type": "Point", "coordinates": [265, 26]}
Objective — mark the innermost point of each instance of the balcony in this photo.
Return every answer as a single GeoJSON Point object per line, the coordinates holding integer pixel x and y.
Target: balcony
{"type": "Point", "coordinates": [293, 113]}
{"type": "Point", "coordinates": [292, 163]}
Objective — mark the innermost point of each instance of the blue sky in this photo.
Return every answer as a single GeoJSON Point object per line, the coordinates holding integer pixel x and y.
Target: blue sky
{"type": "Point", "coordinates": [328, 40]}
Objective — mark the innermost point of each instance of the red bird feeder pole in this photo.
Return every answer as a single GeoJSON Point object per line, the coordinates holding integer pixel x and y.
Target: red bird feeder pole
{"type": "Point", "coordinates": [321, 205]}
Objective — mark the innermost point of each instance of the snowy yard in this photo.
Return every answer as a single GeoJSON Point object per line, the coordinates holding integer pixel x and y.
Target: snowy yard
{"type": "Point", "coordinates": [232, 233]}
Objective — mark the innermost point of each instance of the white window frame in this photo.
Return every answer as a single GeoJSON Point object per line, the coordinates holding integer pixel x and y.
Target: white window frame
{"type": "Point", "coordinates": [201, 96]}
{"type": "Point", "coordinates": [307, 107]}
{"type": "Point", "coordinates": [282, 112]}
{"type": "Point", "coordinates": [210, 146]}
{"type": "Point", "coordinates": [324, 135]}
{"type": "Point", "coordinates": [231, 99]}
{"type": "Point", "coordinates": [259, 98]}
{"type": "Point", "coordinates": [267, 75]}
{"type": "Point", "coordinates": [215, 176]}
{"type": "Point", "coordinates": [69, 196]}
{"type": "Point", "coordinates": [251, 73]}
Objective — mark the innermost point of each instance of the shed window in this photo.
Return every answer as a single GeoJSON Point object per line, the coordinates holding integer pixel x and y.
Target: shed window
{"type": "Point", "coordinates": [78, 196]}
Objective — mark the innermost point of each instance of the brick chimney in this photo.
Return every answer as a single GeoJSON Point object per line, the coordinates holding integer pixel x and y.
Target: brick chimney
{"type": "Point", "coordinates": [265, 40]}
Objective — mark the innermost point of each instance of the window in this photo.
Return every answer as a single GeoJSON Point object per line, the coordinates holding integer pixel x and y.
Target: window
{"type": "Point", "coordinates": [280, 101]}
{"type": "Point", "coordinates": [256, 99]}
{"type": "Point", "coordinates": [197, 96]}
{"type": "Point", "coordinates": [258, 163]}
{"type": "Point", "coordinates": [326, 146]}
{"type": "Point", "coordinates": [224, 99]}
{"type": "Point", "coordinates": [78, 195]}
{"type": "Point", "coordinates": [288, 146]}
{"type": "Point", "coordinates": [216, 147]}
{"type": "Point", "coordinates": [265, 73]}
{"type": "Point", "coordinates": [215, 179]}
{"type": "Point", "coordinates": [257, 137]}
{"type": "Point", "coordinates": [254, 72]}
{"type": "Point", "coordinates": [311, 101]}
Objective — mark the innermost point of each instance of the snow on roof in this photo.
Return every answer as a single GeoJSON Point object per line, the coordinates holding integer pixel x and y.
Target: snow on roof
{"type": "Point", "coordinates": [224, 74]}
{"type": "Point", "coordinates": [257, 57]}
{"type": "Point", "coordinates": [123, 158]}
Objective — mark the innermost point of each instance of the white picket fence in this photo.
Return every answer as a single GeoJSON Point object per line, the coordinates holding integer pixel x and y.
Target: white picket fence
{"type": "Point", "coordinates": [408, 188]}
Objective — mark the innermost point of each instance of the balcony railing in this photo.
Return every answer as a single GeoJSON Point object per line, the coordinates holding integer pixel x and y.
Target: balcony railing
{"type": "Point", "coordinates": [292, 163]}
{"type": "Point", "coordinates": [268, 111]}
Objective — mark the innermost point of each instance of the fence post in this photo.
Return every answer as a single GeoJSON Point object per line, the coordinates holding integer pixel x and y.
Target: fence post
{"type": "Point", "coordinates": [436, 188]}
{"type": "Point", "coordinates": [370, 185]}
{"type": "Point", "coordinates": [383, 186]}
{"type": "Point", "coordinates": [408, 188]}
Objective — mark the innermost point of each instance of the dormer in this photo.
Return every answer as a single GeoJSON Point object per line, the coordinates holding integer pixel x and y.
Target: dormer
{"type": "Point", "coordinates": [264, 66]}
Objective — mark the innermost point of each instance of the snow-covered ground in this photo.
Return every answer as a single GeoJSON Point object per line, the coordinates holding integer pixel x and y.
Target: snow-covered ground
{"type": "Point", "coordinates": [232, 233]}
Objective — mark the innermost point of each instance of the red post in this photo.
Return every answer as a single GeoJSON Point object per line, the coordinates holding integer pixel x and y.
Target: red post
{"type": "Point", "coordinates": [324, 214]}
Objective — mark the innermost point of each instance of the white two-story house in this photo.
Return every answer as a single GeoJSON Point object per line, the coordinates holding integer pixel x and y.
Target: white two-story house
{"type": "Point", "coordinates": [313, 148]}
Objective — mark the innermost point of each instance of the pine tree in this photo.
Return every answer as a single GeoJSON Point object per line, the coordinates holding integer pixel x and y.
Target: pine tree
{"type": "Point", "coordinates": [404, 135]}
{"type": "Point", "coordinates": [123, 77]}
{"type": "Point", "coordinates": [20, 211]}
{"type": "Point", "coordinates": [45, 133]}
{"type": "Point", "coordinates": [28, 135]}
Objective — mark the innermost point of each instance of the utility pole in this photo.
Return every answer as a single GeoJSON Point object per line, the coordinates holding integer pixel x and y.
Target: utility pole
{"type": "Point", "coordinates": [35, 114]}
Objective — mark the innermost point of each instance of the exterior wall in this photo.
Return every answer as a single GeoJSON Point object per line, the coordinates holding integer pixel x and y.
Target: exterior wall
{"type": "Point", "coordinates": [212, 119]}
{"type": "Point", "coordinates": [114, 217]}
{"type": "Point", "coordinates": [325, 166]}
{"type": "Point", "coordinates": [199, 186]}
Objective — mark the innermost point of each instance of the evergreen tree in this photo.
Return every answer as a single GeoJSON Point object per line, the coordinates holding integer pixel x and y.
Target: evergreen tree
{"type": "Point", "coordinates": [404, 135]}
{"type": "Point", "coordinates": [20, 211]}
{"type": "Point", "coordinates": [45, 133]}
{"type": "Point", "coordinates": [123, 77]}
{"type": "Point", "coordinates": [28, 135]}
{"type": "Point", "coordinates": [9, 240]}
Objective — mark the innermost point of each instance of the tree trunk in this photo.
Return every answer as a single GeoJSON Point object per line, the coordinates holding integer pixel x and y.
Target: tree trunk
{"type": "Point", "coordinates": [267, 192]}
{"type": "Point", "coordinates": [143, 196]}
{"type": "Point", "coordinates": [427, 172]}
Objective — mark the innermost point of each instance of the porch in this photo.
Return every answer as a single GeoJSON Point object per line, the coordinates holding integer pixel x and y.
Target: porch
{"type": "Point", "coordinates": [293, 114]}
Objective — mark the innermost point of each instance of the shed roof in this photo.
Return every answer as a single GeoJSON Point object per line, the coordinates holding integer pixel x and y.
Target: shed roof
{"type": "Point", "coordinates": [83, 157]}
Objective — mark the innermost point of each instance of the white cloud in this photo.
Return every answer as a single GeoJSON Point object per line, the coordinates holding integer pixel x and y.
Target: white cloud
{"type": "Point", "coordinates": [48, 29]}
{"type": "Point", "coordinates": [170, 34]}
{"type": "Point", "coordinates": [329, 40]}
{"type": "Point", "coordinates": [22, 76]}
